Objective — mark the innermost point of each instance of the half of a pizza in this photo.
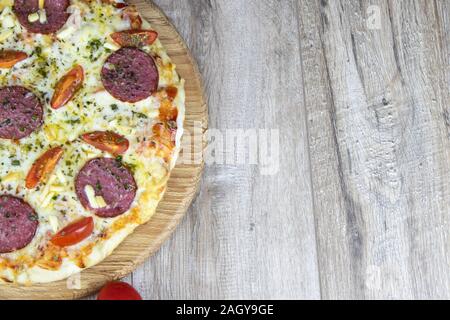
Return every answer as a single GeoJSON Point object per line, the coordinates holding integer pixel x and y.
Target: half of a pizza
{"type": "Point", "coordinates": [91, 118]}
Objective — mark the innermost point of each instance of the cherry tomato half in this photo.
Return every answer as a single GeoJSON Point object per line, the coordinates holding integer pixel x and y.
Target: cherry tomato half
{"type": "Point", "coordinates": [67, 87]}
{"type": "Point", "coordinates": [118, 291]}
{"type": "Point", "coordinates": [74, 233]}
{"type": "Point", "coordinates": [135, 38]}
{"type": "Point", "coordinates": [9, 58]}
{"type": "Point", "coordinates": [43, 166]}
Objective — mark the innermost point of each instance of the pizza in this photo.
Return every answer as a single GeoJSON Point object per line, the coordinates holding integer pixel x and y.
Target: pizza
{"type": "Point", "coordinates": [91, 119]}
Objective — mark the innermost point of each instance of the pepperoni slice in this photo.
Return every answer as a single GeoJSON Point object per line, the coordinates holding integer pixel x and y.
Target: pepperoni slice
{"type": "Point", "coordinates": [21, 112]}
{"type": "Point", "coordinates": [55, 12]}
{"type": "Point", "coordinates": [110, 180]}
{"type": "Point", "coordinates": [18, 224]}
{"type": "Point", "coordinates": [130, 75]}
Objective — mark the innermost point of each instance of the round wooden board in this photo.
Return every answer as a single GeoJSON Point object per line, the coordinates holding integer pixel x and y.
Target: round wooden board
{"type": "Point", "coordinates": [182, 188]}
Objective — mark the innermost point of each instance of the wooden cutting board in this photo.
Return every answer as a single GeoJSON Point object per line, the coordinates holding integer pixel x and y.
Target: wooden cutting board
{"type": "Point", "coordinates": [182, 188]}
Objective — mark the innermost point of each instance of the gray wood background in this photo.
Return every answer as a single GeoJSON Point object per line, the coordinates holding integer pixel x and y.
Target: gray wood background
{"type": "Point", "coordinates": [360, 208]}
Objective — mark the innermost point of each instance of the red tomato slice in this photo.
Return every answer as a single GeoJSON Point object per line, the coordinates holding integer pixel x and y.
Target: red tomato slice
{"type": "Point", "coordinates": [43, 166]}
{"type": "Point", "coordinates": [9, 58]}
{"type": "Point", "coordinates": [107, 141]}
{"type": "Point", "coordinates": [135, 38]}
{"type": "Point", "coordinates": [74, 233]}
{"type": "Point", "coordinates": [67, 87]}
{"type": "Point", "coordinates": [118, 291]}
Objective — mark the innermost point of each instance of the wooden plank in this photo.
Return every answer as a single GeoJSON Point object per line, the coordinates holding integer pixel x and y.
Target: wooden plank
{"type": "Point", "coordinates": [377, 103]}
{"type": "Point", "coordinates": [247, 235]}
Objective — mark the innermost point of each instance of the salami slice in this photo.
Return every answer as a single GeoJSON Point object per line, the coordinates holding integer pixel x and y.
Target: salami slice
{"type": "Point", "coordinates": [18, 224]}
{"type": "Point", "coordinates": [21, 112]}
{"type": "Point", "coordinates": [130, 75]}
{"type": "Point", "coordinates": [112, 181]}
{"type": "Point", "coordinates": [55, 13]}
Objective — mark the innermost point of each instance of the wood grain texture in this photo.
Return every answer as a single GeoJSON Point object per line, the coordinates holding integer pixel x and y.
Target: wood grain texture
{"type": "Point", "coordinates": [377, 103]}
{"type": "Point", "coordinates": [182, 186]}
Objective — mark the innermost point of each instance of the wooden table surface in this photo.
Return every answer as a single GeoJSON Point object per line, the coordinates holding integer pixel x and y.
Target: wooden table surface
{"type": "Point", "coordinates": [360, 206]}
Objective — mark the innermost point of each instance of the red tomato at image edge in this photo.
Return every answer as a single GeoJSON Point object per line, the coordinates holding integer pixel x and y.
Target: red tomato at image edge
{"type": "Point", "coordinates": [118, 291]}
